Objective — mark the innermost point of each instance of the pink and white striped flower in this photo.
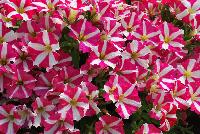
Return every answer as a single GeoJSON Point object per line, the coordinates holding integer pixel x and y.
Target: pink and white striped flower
{"type": "Point", "coordinates": [110, 87]}
{"type": "Point", "coordinates": [180, 95]}
{"type": "Point", "coordinates": [85, 33]}
{"type": "Point", "coordinates": [27, 30]}
{"type": "Point", "coordinates": [137, 53]}
{"type": "Point", "coordinates": [130, 24]}
{"type": "Point", "coordinates": [21, 86]}
{"type": "Point", "coordinates": [23, 59]}
{"type": "Point", "coordinates": [105, 55]}
{"type": "Point", "coordinates": [171, 37]}
{"type": "Point", "coordinates": [67, 76]}
{"type": "Point", "coordinates": [46, 23]}
{"type": "Point", "coordinates": [73, 101]}
{"type": "Point", "coordinates": [56, 123]}
{"type": "Point", "coordinates": [127, 98]}
{"type": "Point", "coordinates": [43, 50]}
{"type": "Point", "coordinates": [20, 9]}
{"type": "Point", "coordinates": [48, 5]}
{"type": "Point", "coordinates": [163, 74]}
{"type": "Point", "coordinates": [190, 10]}
{"type": "Point", "coordinates": [91, 93]}
{"type": "Point", "coordinates": [194, 99]}
{"type": "Point", "coordinates": [148, 129]}
{"type": "Point", "coordinates": [109, 125]}
{"type": "Point", "coordinates": [42, 110]}
{"type": "Point", "coordinates": [159, 102]}
{"type": "Point", "coordinates": [10, 120]}
{"type": "Point", "coordinates": [169, 117]}
{"type": "Point", "coordinates": [44, 83]}
{"type": "Point", "coordinates": [111, 31]}
{"type": "Point", "coordinates": [7, 55]}
{"type": "Point", "coordinates": [126, 70]}
{"type": "Point", "coordinates": [189, 71]}
{"type": "Point", "coordinates": [147, 32]}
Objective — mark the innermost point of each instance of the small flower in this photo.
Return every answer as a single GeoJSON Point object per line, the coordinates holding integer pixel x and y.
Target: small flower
{"type": "Point", "coordinates": [194, 98]}
{"type": "Point", "coordinates": [10, 120]}
{"type": "Point", "coordinates": [22, 9]}
{"type": "Point", "coordinates": [148, 129]}
{"type": "Point", "coordinates": [171, 37]}
{"type": "Point", "coordinates": [105, 55]}
{"type": "Point", "coordinates": [189, 71]}
{"type": "Point", "coordinates": [43, 50]}
{"type": "Point", "coordinates": [85, 33]}
{"type": "Point", "coordinates": [137, 53]}
{"type": "Point", "coordinates": [21, 86]}
{"type": "Point", "coordinates": [73, 101]}
{"type": "Point", "coordinates": [91, 93]}
{"type": "Point", "coordinates": [127, 98]}
{"type": "Point", "coordinates": [109, 125]}
{"type": "Point", "coordinates": [42, 110]}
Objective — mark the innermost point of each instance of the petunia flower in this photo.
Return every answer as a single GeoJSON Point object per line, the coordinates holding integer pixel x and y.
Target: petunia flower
{"type": "Point", "coordinates": [10, 120]}
{"type": "Point", "coordinates": [127, 99]}
{"type": "Point", "coordinates": [147, 32]}
{"type": "Point", "coordinates": [43, 50]}
{"type": "Point", "coordinates": [109, 125]}
{"type": "Point", "coordinates": [73, 101]}
{"type": "Point", "coordinates": [42, 110]}
{"type": "Point", "coordinates": [194, 99]}
{"type": "Point", "coordinates": [105, 55]}
{"type": "Point", "coordinates": [91, 93]}
{"type": "Point", "coordinates": [137, 53]}
{"type": "Point", "coordinates": [171, 37]}
{"type": "Point", "coordinates": [189, 71]}
{"type": "Point", "coordinates": [148, 128]}
{"type": "Point", "coordinates": [85, 33]}
{"type": "Point", "coordinates": [22, 85]}
{"type": "Point", "coordinates": [20, 9]}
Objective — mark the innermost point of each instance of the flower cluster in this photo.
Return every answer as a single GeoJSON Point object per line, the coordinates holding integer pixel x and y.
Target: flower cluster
{"type": "Point", "coordinates": [62, 60]}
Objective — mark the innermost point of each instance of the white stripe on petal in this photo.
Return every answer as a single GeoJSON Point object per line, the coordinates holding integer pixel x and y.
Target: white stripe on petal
{"type": "Point", "coordinates": [76, 114]}
{"type": "Point", "coordinates": [196, 74]}
{"type": "Point", "coordinates": [36, 46]}
{"type": "Point", "coordinates": [77, 94]}
{"type": "Point", "coordinates": [52, 60]}
{"type": "Point", "coordinates": [90, 35]}
{"type": "Point", "coordinates": [45, 37]}
{"type": "Point", "coordinates": [40, 4]}
{"type": "Point", "coordinates": [115, 123]}
{"type": "Point", "coordinates": [134, 46]}
{"type": "Point", "coordinates": [10, 129]}
{"type": "Point", "coordinates": [132, 102]}
{"type": "Point", "coordinates": [40, 58]}
{"type": "Point", "coordinates": [182, 14]}
{"type": "Point", "coordinates": [3, 121]}
{"type": "Point", "coordinates": [4, 51]}
{"type": "Point", "coordinates": [166, 29]}
{"type": "Point", "coordinates": [10, 36]}
{"type": "Point", "coordinates": [13, 93]}
{"type": "Point", "coordinates": [113, 55]}
{"type": "Point", "coordinates": [65, 97]}
{"type": "Point", "coordinates": [176, 34]}
{"type": "Point", "coordinates": [113, 131]}
{"type": "Point", "coordinates": [191, 64]}
{"type": "Point", "coordinates": [3, 112]}
{"type": "Point", "coordinates": [125, 112]}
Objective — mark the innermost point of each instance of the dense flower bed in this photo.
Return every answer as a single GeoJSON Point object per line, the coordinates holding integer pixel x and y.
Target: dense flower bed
{"type": "Point", "coordinates": [98, 66]}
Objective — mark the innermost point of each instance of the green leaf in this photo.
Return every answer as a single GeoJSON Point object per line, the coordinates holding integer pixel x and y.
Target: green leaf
{"type": "Point", "coordinates": [75, 57]}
